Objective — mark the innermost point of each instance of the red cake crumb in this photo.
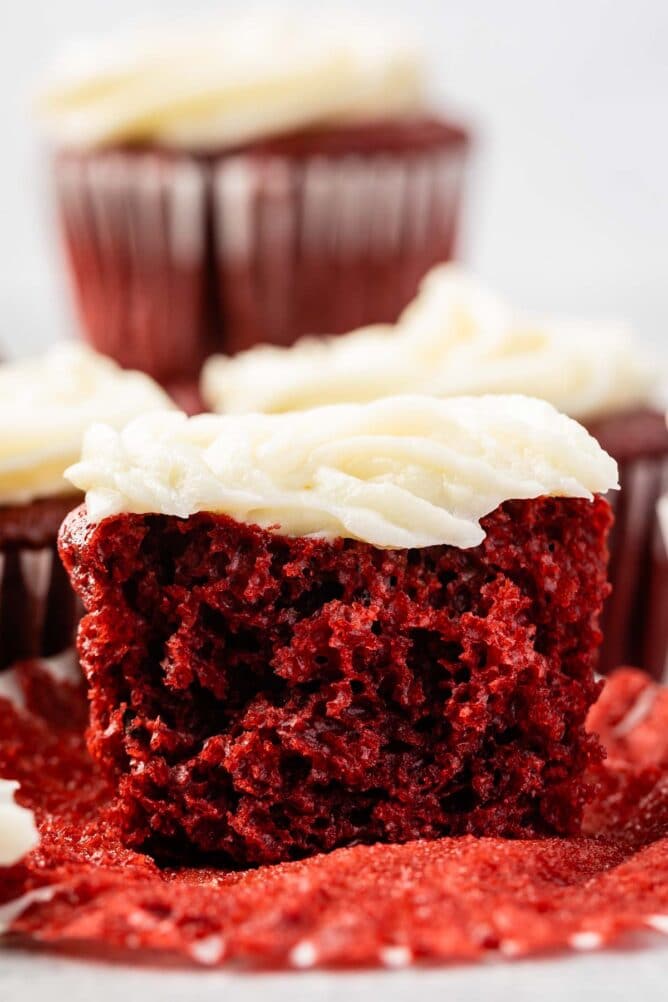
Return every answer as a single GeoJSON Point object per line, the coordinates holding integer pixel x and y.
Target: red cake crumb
{"type": "Point", "coordinates": [259, 698]}
{"type": "Point", "coordinates": [632, 719]}
{"type": "Point", "coordinates": [444, 900]}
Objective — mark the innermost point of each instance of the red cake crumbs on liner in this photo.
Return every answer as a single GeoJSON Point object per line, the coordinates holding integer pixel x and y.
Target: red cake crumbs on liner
{"type": "Point", "coordinates": [453, 899]}
{"type": "Point", "coordinates": [259, 698]}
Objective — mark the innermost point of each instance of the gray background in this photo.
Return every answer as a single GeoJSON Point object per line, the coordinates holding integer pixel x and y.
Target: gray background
{"type": "Point", "coordinates": [612, 976]}
{"type": "Point", "coordinates": [570, 97]}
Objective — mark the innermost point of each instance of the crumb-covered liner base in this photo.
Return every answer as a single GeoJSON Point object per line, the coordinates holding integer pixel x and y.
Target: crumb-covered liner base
{"type": "Point", "coordinates": [174, 256]}
{"type": "Point", "coordinates": [450, 900]}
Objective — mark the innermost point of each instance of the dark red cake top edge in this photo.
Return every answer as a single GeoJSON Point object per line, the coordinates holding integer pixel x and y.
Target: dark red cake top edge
{"type": "Point", "coordinates": [414, 134]}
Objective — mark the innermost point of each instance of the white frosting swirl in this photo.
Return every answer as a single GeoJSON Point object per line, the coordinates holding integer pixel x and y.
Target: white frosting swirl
{"type": "Point", "coordinates": [455, 338]}
{"type": "Point", "coordinates": [662, 519]}
{"type": "Point", "coordinates": [18, 832]}
{"type": "Point", "coordinates": [46, 404]}
{"type": "Point", "coordinates": [224, 83]}
{"type": "Point", "coordinates": [399, 472]}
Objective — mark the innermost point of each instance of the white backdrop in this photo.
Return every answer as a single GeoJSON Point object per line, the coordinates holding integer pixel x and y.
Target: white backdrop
{"type": "Point", "coordinates": [568, 204]}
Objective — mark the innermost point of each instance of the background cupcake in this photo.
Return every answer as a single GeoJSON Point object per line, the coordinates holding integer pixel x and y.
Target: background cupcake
{"type": "Point", "coordinates": [46, 404]}
{"type": "Point", "coordinates": [456, 337]}
{"type": "Point", "coordinates": [656, 638]}
{"type": "Point", "coordinates": [251, 180]}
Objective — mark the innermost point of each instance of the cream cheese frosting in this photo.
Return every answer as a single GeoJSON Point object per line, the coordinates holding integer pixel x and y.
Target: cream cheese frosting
{"type": "Point", "coordinates": [455, 338]}
{"type": "Point", "coordinates": [46, 404]}
{"type": "Point", "coordinates": [227, 82]}
{"type": "Point", "coordinates": [662, 519]}
{"type": "Point", "coordinates": [399, 472]}
{"type": "Point", "coordinates": [18, 832]}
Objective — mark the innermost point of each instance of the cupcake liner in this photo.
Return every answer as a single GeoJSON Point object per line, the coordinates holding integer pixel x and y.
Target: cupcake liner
{"type": "Point", "coordinates": [38, 609]}
{"type": "Point", "coordinates": [327, 245]}
{"type": "Point", "coordinates": [172, 257]}
{"type": "Point", "coordinates": [656, 635]}
{"type": "Point", "coordinates": [631, 624]}
{"type": "Point", "coordinates": [134, 231]}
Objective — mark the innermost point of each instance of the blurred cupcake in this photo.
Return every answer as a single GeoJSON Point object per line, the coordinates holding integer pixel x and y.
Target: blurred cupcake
{"type": "Point", "coordinates": [251, 180]}
{"type": "Point", "coordinates": [656, 641]}
{"type": "Point", "coordinates": [457, 338]}
{"type": "Point", "coordinates": [46, 404]}
{"type": "Point", "coordinates": [638, 439]}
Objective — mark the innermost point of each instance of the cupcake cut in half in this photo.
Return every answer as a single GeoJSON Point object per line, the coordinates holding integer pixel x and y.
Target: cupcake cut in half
{"type": "Point", "coordinates": [253, 179]}
{"type": "Point", "coordinates": [46, 404]}
{"type": "Point", "coordinates": [358, 623]}
{"type": "Point", "coordinates": [457, 337]}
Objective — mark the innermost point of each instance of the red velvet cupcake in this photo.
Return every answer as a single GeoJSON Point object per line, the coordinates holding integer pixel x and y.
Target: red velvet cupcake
{"type": "Point", "coordinates": [456, 337]}
{"type": "Point", "coordinates": [634, 627]}
{"type": "Point", "coordinates": [358, 624]}
{"type": "Point", "coordinates": [46, 404]}
{"type": "Point", "coordinates": [656, 632]}
{"type": "Point", "coordinates": [223, 186]}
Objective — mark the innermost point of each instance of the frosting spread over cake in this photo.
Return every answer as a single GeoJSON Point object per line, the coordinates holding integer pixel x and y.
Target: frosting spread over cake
{"type": "Point", "coordinates": [18, 832]}
{"type": "Point", "coordinates": [454, 338]}
{"type": "Point", "coordinates": [46, 404]}
{"type": "Point", "coordinates": [227, 82]}
{"type": "Point", "coordinates": [399, 472]}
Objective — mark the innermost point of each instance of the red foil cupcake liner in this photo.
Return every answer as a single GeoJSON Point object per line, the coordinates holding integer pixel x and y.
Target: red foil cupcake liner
{"type": "Point", "coordinates": [450, 900]}
{"type": "Point", "coordinates": [38, 609]}
{"type": "Point", "coordinates": [135, 233]}
{"type": "Point", "coordinates": [175, 256]}
{"type": "Point", "coordinates": [330, 244]}
{"type": "Point", "coordinates": [656, 639]}
{"type": "Point", "coordinates": [632, 622]}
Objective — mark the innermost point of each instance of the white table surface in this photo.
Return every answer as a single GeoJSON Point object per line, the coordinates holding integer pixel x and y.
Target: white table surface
{"type": "Point", "coordinates": [623, 975]}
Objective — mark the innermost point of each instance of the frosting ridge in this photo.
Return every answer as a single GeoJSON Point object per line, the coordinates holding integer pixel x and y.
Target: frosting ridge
{"type": "Point", "coordinates": [18, 831]}
{"type": "Point", "coordinates": [399, 472]}
{"type": "Point", "coordinates": [454, 338]}
{"type": "Point", "coordinates": [218, 83]}
{"type": "Point", "coordinates": [46, 404]}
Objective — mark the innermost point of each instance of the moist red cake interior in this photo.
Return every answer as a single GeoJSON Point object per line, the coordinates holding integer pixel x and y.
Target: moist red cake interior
{"type": "Point", "coordinates": [261, 698]}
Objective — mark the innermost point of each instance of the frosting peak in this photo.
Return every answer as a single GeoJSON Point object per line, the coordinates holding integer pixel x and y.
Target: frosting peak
{"type": "Point", "coordinates": [662, 517]}
{"type": "Point", "coordinates": [46, 404]}
{"type": "Point", "coordinates": [224, 83]}
{"type": "Point", "coordinates": [454, 338]}
{"type": "Point", "coordinates": [400, 472]}
{"type": "Point", "coordinates": [18, 832]}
